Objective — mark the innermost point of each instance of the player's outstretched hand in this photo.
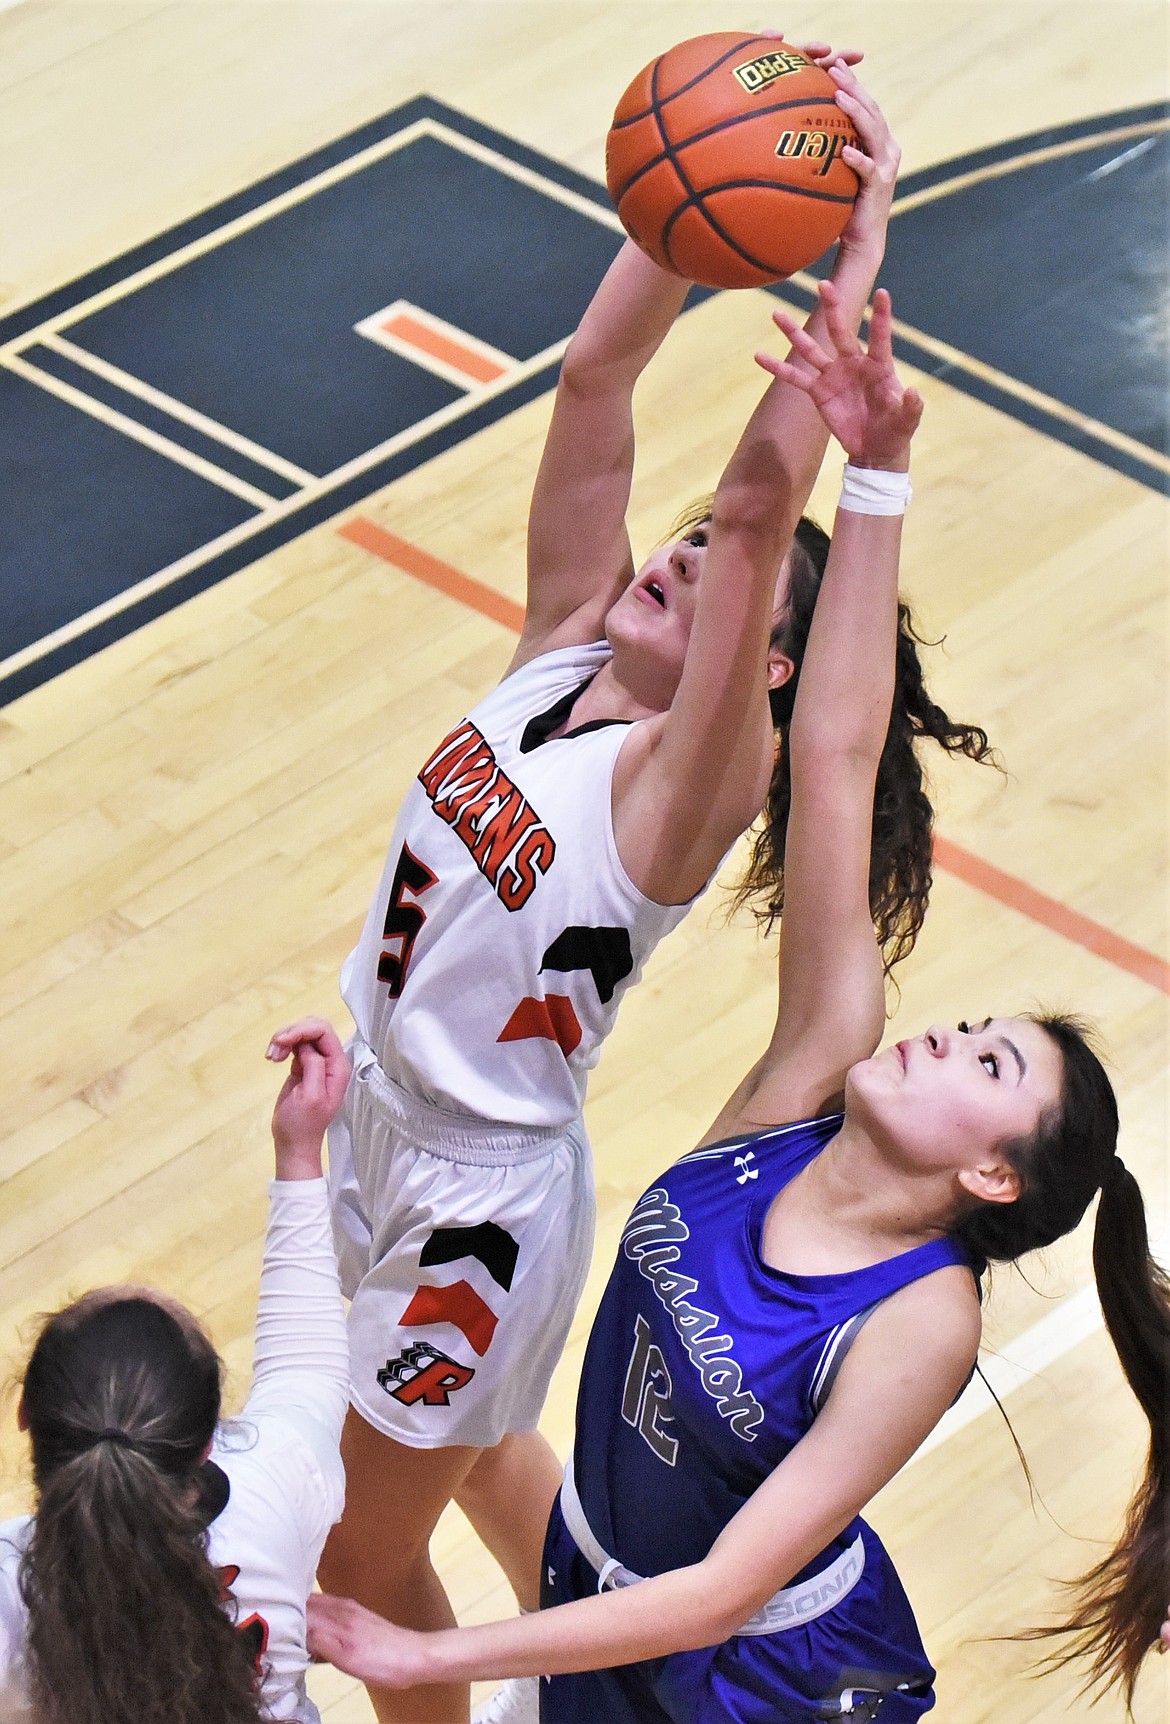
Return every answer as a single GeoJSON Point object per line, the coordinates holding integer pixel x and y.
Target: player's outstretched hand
{"type": "Point", "coordinates": [311, 1095]}
{"type": "Point", "coordinates": [856, 390]}
{"type": "Point", "coordinates": [348, 1635]}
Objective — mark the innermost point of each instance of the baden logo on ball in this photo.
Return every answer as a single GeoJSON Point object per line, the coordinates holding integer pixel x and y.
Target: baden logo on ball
{"type": "Point", "coordinates": [724, 160]}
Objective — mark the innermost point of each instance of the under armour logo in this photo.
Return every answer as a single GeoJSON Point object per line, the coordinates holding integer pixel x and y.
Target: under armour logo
{"type": "Point", "coordinates": [552, 1575]}
{"type": "Point", "coordinates": [748, 1172]}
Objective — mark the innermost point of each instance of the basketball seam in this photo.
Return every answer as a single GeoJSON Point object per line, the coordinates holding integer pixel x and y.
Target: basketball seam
{"type": "Point", "coordinates": [709, 132]}
{"type": "Point", "coordinates": [772, 186]}
{"type": "Point", "coordinates": [618, 125]}
{"type": "Point", "coordinates": [692, 196]}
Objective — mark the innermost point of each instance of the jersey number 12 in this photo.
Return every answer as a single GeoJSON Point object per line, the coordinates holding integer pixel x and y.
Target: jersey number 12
{"type": "Point", "coordinates": [646, 1396]}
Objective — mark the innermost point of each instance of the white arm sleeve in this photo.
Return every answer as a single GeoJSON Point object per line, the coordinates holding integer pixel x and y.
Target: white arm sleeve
{"type": "Point", "coordinates": [301, 1362]}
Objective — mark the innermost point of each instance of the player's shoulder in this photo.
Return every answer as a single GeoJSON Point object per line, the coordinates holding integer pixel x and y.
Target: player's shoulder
{"type": "Point", "coordinates": [284, 1459]}
{"type": "Point", "coordinates": [938, 1315]}
{"type": "Point", "coordinates": [560, 652]}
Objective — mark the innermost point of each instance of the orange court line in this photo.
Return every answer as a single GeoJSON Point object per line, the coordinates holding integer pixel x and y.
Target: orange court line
{"type": "Point", "coordinates": [441, 576]}
{"type": "Point", "coordinates": [443, 347]}
{"type": "Point", "coordinates": [1005, 888]}
{"type": "Point", "coordinates": [1051, 913]}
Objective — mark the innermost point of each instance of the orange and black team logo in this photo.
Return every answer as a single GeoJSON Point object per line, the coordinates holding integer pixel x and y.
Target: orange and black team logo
{"type": "Point", "coordinates": [503, 832]}
{"type": "Point", "coordinates": [423, 1373]}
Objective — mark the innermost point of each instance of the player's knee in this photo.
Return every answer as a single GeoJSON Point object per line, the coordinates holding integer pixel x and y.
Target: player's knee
{"type": "Point", "coordinates": [357, 1563]}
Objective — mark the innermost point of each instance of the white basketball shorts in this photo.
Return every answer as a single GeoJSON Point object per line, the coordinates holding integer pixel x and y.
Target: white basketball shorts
{"type": "Point", "coordinates": [463, 1247]}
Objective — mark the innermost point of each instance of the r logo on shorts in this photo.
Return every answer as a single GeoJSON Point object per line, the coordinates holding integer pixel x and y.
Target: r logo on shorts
{"type": "Point", "coordinates": [422, 1373]}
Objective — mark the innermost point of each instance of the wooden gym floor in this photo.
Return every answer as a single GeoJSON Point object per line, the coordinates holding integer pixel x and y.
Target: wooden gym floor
{"type": "Point", "coordinates": [193, 818]}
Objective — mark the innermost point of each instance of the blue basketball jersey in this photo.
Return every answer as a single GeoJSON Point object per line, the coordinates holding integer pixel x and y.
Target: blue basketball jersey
{"type": "Point", "coordinates": [705, 1366]}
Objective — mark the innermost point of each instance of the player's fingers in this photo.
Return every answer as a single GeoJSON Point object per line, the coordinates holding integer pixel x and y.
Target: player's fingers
{"type": "Point", "coordinates": [786, 373]}
{"type": "Point", "coordinates": [873, 128]}
{"type": "Point", "coordinates": [803, 343]}
{"type": "Point", "coordinates": [913, 407]}
{"type": "Point", "coordinates": [312, 1073]}
{"type": "Point", "coordinates": [304, 1030]}
{"type": "Point", "coordinates": [863, 166]}
{"type": "Point", "coordinates": [881, 344]}
{"type": "Point", "coordinates": [846, 79]}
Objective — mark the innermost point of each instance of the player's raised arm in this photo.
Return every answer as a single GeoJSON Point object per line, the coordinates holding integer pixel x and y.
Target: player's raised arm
{"type": "Point", "coordinates": [710, 767]}
{"type": "Point", "coordinates": [578, 552]}
{"type": "Point", "coordinates": [301, 1361]}
{"type": "Point", "coordinates": [831, 1009]}
{"type": "Point", "coordinates": [579, 557]}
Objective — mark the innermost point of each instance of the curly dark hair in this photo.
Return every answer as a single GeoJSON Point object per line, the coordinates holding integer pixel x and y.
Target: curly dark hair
{"type": "Point", "coordinates": [903, 818]}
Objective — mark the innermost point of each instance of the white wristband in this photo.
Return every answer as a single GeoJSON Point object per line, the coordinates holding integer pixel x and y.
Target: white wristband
{"type": "Point", "coordinates": [873, 491]}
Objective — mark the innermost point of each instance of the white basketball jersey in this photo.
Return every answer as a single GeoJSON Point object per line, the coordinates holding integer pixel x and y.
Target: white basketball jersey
{"type": "Point", "coordinates": [505, 930]}
{"type": "Point", "coordinates": [285, 1485]}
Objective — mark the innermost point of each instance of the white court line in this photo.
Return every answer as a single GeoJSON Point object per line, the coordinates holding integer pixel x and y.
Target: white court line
{"type": "Point", "coordinates": [299, 194]}
{"type": "Point", "coordinates": [1111, 166]}
{"type": "Point", "coordinates": [272, 510]}
{"type": "Point", "coordinates": [1028, 1356]}
{"type": "Point", "coordinates": [374, 328]}
{"type": "Point", "coordinates": [140, 433]}
{"type": "Point", "coordinates": [178, 409]}
{"type": "Point", "coordinates": [278, 511]}
{"type": "Point", "coordinates": [1028, 158]}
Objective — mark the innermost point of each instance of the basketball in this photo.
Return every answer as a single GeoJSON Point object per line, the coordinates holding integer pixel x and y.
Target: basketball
{"type": "Point", "coordinates": [724, 160]}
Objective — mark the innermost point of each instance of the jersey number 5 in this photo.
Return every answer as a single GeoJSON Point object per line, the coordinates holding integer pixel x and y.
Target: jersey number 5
{"type": "Point", "coordinates": [403, 919]}
{"type": "Point", "coordinates": [646, 1396]}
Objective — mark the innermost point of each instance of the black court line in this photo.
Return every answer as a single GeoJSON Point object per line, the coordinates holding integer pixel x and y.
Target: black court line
{"type": "Point", "coordinates": [563, 234]}
{"type": "Point", "coordinates": [1052, 276]}
{"type": "Point", "coordinates": [1112, 253]}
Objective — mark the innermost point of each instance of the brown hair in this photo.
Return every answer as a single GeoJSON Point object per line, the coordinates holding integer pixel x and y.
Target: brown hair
{"type": "Point", "coordinates": [903, 818]}
{"type": "Point", "coordinates": [126, 1618]}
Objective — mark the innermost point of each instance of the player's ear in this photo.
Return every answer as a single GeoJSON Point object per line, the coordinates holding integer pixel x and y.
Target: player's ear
{"type": "Point", "coordinates": [781, 668]}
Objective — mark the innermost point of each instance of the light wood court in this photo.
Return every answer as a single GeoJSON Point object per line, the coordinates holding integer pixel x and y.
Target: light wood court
{"type": "Point", "coordinates": [192, 820]}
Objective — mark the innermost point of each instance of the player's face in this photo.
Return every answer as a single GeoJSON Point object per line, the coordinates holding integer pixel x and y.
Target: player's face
{"type": "Point", "coordinates": [951, 1097]}
{"type": "Point", "coordinates": [654, 616]}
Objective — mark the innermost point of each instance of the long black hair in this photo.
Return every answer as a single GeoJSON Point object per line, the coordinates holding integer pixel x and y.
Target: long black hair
{"type": "Point", "coordinates": [126, 1616]}
{"type": "Point", "coordinates": [1118, 1606]}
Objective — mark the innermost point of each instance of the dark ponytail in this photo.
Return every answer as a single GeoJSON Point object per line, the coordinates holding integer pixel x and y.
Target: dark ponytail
{"type": "Point", "coordinates": [1119, 1605]}
{"type": "Point", "coordinates": [126, 1618]}
{"type": "Point", "coordinates": [899, 874]}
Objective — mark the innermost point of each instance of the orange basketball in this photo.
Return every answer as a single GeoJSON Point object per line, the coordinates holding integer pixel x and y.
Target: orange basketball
{"type": "Point", "coordinates": [724, 160]}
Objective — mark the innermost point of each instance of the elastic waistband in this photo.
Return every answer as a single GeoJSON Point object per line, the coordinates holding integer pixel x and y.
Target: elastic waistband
{"type": "Point", "coordinates": [451, 1136]}
{"type": "Point", "coordinates": [785, 1609]}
